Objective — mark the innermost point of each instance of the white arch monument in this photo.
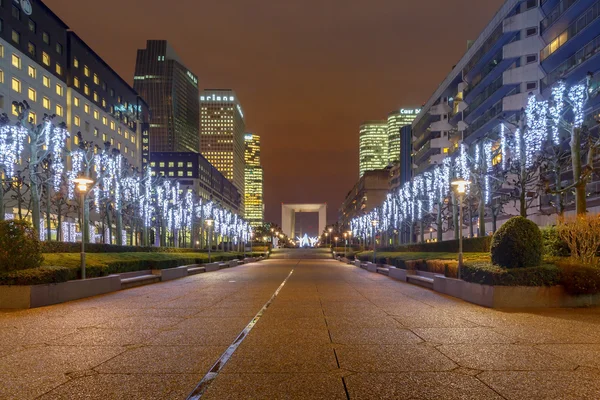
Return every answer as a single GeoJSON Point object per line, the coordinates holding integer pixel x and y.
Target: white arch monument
{"type": "Point", "coordinates": [288, 216]}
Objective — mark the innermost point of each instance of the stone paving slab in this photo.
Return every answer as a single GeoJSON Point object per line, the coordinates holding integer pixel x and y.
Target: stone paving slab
{"type": "Point", "coordinates": [334, 331]}
{"type": "Point", "coordinates": [276, 386]}
{"type": "Point", "coordinates": [418, 385]}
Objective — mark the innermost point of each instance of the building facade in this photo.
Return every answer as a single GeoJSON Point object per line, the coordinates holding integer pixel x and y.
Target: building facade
{"type": "Point", "coordinates": [46, 64]}
{"type": "Point", "coordinates": [369, 192]}
{"type": "Point", "coordinates": [222, 128]}
{"type": "Point", "coordinates": [171, 91]}
{"type": "Point", "coordinates": [396, 120]}
{"type": "Point", "coordinates": [193, 171]}
{"type": "Point", "coordinates": [253, 181]}
{"type": "Point", "coordinates": [373, 146]}
{"type": "Point", "coordinates": [492, 81]}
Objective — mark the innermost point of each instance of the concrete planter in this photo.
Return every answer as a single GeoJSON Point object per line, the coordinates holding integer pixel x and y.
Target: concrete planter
{"type": "Point", "coordinates": [212, 267]}
{"type": "Point", "coordinates": [398, 273]}
{"type": "Point", "coordinates": [173, 273]}
{"type": "Point", "coordinates": [19, 297]}
{"type": "Point", "coordinates": [371, 267]}
{"type": "Point", "coordinates": [512, 296]}
{"type": "Point", "coordinates": [357, 263]}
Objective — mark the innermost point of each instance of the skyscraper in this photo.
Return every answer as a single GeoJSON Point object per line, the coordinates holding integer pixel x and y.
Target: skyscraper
{"type": "Point", "coordinates": [222, 129]}
{"type": "Point", "coordinates": [171, 91]}
{"type": "Point", "coordinates": [396, 120]}
{"type": "Point", "coordinates": [253, 181]}
{"type": "Point", "coordinates": [373, 143]}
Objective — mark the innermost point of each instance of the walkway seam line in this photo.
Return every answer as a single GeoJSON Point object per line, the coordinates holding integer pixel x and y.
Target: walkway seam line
{"type": "Point", "coordinates": [214, 371]}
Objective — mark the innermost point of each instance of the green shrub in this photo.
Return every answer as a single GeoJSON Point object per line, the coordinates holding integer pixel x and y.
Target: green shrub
{"type": "Point", "coordinates": [19, 246]}
{"type": "Point", "coordinates": [471, 245]}
{"type": "Point", "coordinates": [580, 279]}
{"type": "Point", "coordinates": [488, 274]}
{"type": "Point", "coordinates": [517, 244]}
{"type": "Point", "coordinates": [554, 246]}
{"type": "Point", "coordinates": [447, 268]}
{"type": "Point", "coordinates": [36, 276]}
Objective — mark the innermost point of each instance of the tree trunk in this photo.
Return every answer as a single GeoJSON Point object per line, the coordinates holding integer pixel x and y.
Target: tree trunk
{"type": "Point", "coordinates": [470, 220]}
{"type": "Point", "coordinates": [439, 223]}
{"type": "Point", "coordinates": [523, 183]}
{"type": "Point", "coordinates": [2, 205]}
{"type": "Point", "coordinates": [48, 212]}
{"type": "Point", "coordinates": [410, 232]}
{"type": "Point", "coordinates": [482, 232]}
{"type": "Point", "coordinates": [422, 229]}
{"type": "Point", "coordinates": [494, 221]}
{"type": "Point", "coordinates": [35, 204]}
{"type": "Point", "coordinates": [580, 184]}
{"type": "Point", "coordinates": [119, 222]}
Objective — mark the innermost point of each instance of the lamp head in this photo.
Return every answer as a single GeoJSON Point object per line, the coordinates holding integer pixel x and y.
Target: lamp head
{"type": "Point", "coordinates": [209, 222]}
{"type": "Point", "coordinates": [461, 185]}
{"type": "Point", "coordinates": [82, 183]}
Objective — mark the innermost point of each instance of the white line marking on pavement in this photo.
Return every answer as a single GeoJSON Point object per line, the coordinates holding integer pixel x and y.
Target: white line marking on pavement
{"type": "Point", "coordinates": [218, 366]}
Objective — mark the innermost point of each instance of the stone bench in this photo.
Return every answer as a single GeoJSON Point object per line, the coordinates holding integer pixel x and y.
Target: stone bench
{"type": "Point", "coordinates": [223, 265]}
{"type": "Point", "coordinates": [138, 278]}
{"type": "Point", "coordinates": [172, 273]}
{"type": "Point", "coordinates": [212, 267]}
{"type": "Point", "coordinates": [383, 270]}
{"type": "Point", "coordinates": [371, 267]}
{"type": "Point", "coordinates": [420, 280]}
{"type": "Point", "coordinates": [234, 263]}
{"type": "Point", "coordinates": [195, 269]}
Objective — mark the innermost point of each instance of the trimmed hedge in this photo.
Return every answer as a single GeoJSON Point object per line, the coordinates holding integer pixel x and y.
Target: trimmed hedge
{"type": "Point", "coordinates": [517, 244]}
{"type": "Point", "coordinates": [579, 279]}
{"type": "Point", "coordinates": [488, 274]}
{"type": "Point", "coordinates": [65, 247]}
{"type": "Point", "coordinates": [37, 276]}
{"type": "Point", "coordinates": [470, 245]}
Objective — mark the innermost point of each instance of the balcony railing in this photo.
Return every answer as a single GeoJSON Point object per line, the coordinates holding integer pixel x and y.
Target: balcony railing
{"type": "Point", "coordinates": [588, 16]}
{"type": "Point", "coordinates": [484, 72]}
{"type": "Point", "coordinates": [483, 96]}
{"type": "Point", "coordinates": [556, 12]}
{"type": "Point", "coordinates": [422, 151]}
{"type": "Point", "coordinates": [484, 119]}
{"type": "Point", "coordinates": [489, 43]}
{"type": "Point", "coordinates": [589, 50]}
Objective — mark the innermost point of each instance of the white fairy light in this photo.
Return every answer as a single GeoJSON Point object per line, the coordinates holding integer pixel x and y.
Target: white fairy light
{"type": "Point", "coordinates": [578, 96]}
{"type": "Point", "coordinates": [503, 146]}
{"type": "Point", "coordinates": [556, 111]}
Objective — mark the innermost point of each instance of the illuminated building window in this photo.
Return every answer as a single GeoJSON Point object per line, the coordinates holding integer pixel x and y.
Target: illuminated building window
{"type": "Point", "coordinates": [76, 82]}
{"type": "Point", "coordinates": [16, 61]}
{"type": "Point", "coordinates": [96, 79]}
{"type": "Point", "coordinates": [76, 101]}
{"type": "Point", "coordinates": [32, 117]}
{"type": "Point", "coordinates": [45, 58]}
{"type": "Point", "coordinates": [86, 108]}
{"type": "Point", "coordinates": [32, 94]}
{"type": "Point", "coordinates": [59, 110]}
{"type": "Point", "coordinates": [16, 85]}
{"type": "Point", "coordinates": [86, 71]}
{"type": "Point", "coordinates": [59, 90]}
{"type": "Point", "coordinates": [77, 121]}
{"type": "Point", "coordinates": [46, 103]}
{"type": "Point", "coordinates": [46, 81]}
{"type": "Point", "coordinates": [75, 62]}
{"type": "Point", "coordinates": [58, 69]}
{"type": "Point", "coordinates": [96, 114]}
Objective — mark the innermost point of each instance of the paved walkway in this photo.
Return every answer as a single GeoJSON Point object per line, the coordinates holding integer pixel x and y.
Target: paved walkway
{"type": "Point", "coordinates": [333, 332]}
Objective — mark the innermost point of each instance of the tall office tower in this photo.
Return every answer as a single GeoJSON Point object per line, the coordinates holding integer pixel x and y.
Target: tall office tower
{"type": "Point", "coordinates": [373, 146]}
{"type": "Point", "coordinates": [171, 91]}
{"type": "Point", "coordinates": [222, 129]}
{"type": "Point", "coordinates": [396, 120]}
{"type": "Point", "coordinates": [253, 181]}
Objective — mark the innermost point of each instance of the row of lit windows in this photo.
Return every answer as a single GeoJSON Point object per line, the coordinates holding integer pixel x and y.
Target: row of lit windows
{"type": "Point", "coordinates": [105, 139]}
{"type": "Point", "coordinates": [171, 173]}
{"type": "Point", "coordinates": [171, 164]}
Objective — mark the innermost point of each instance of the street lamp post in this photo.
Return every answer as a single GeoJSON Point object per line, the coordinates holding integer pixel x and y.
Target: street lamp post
{"type": "Point", "coordinates": [336, 241]}
{"type": "Point", "coordinates": [251, 240]}
{"type": "Point", "coordinates": [330, 237]}
{"type": "Point", "coordinates": [82, 183]}
{"type": "Point", "coordinates": [349, 241]}
{"type": "Point", "coordinates": [374, 224]}
{"type": "Point", "coordinates": [345, 244]}
{"type": "Point", "coordinates": [461, 188]}
{"type": "Point", "coordinates": [209, 223]}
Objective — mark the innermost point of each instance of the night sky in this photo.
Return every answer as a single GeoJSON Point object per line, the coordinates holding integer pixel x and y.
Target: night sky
{"type": "Point", "coordinates": [307, 72]}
